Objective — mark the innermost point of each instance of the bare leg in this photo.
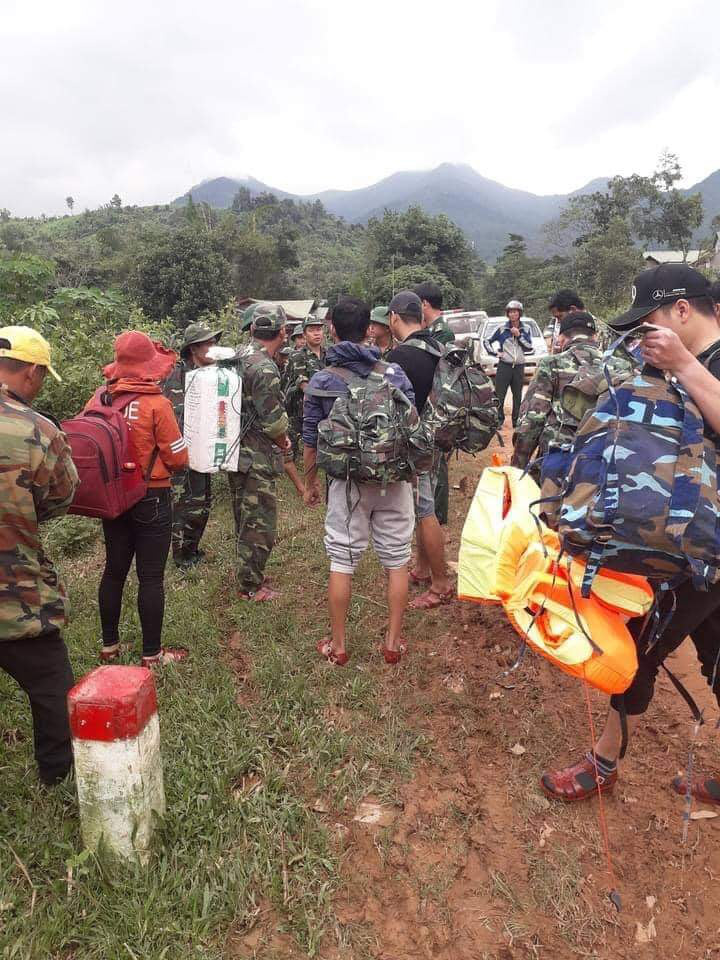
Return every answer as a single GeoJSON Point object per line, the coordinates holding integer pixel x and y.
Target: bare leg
{"type": "Point", "coordinates": [339, 593]}
{"type": "Point", "coordinates": [431, 542]}
{"type": "Point", "coordinates": [608, 746]}
{"type": "Point", "coordinates": [397, 595]}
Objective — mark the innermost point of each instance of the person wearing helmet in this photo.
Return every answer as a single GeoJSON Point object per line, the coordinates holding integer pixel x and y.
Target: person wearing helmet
{"type": "Point", "coordinates": [297, 338]}
{"type": "Point", "coordinates": [510, 344]}
{"type": "Point", "coordinates": [192, 497]}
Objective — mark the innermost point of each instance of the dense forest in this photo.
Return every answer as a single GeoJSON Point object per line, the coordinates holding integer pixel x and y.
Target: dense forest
{"type": "Point", "coordinates": [82, 277]}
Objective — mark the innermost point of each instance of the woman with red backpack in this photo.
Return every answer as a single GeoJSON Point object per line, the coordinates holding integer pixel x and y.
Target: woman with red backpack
{"type": "Point", "coordinates": [143, 531]}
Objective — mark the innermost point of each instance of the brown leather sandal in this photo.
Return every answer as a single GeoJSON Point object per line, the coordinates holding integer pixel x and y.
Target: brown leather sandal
{"type": "Point", "coordinates": [578, 782]}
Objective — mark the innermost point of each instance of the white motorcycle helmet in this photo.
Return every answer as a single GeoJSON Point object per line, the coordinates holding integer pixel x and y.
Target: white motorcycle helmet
{"type": "Point", "coordinates": [514, 305]}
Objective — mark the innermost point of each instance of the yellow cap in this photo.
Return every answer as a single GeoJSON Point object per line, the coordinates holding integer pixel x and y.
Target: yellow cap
{"type": "Point", "coordinates": [27, 345]}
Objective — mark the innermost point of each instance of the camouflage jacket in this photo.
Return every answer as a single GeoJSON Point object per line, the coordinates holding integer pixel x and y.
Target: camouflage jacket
{"type": "Point", "coordinates": [37, 482]}
{"type": "Point", "coordinates": [263, 411]}
{"type": "Point", "coordinates": [174, 390]}
{"type": "Point", "coordinates": [440, 331]}
{"type": "Point", "coordinates": [544, 420]}
{"type": "Point", "coordinates": [301, 366]}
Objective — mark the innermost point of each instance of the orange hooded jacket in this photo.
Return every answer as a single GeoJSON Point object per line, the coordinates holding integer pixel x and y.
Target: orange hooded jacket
{"type": "Point", "coordinates": [153, 425]}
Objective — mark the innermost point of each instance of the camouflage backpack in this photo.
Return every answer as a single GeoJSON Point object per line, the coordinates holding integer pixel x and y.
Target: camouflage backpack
{"type": "Point", "coordinates": [373, 433]}
{"type": "Point", "coordinates": [579, 391]}
{"type": "Point", "coordinates": [461, 408]}
{"type": "Point", "coordinates": [642, 493]}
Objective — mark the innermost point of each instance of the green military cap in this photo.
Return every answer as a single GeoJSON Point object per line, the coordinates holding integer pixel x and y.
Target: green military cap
{"type": "Point", "coordinates": [311, 321]}
{"type": "Point", "coordinates": [198, 332]}
{"type": "Point", "coordinates": [269, 316]}
{"type": "Point", "coordinates": [380, 315]}
{"type": "Point", "coordinates": [285, 352]}
{"type": "Point", "coordinates": [297, 331]}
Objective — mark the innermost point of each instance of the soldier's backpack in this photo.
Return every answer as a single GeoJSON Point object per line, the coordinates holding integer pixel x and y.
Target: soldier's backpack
{"type": "Point", "coordinates": [579, 392]}
{"type": "Point", "coordinates": [111, 481]}
{"type": "Point", "coordinates": [373, 433]}
{"type": "Point", "coordinates": [461, 408]}
{"type": "Point", "coordinates": [642, 492]}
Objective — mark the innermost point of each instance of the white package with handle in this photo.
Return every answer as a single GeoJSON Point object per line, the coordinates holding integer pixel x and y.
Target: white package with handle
{"type": "Point", "coordinates": [213, 397]}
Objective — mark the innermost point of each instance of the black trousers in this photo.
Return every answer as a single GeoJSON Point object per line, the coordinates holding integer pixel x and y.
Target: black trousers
{"type": "Point", "coordinates": [41, 667]}
{"type": "Point", "coordinates": [512, 377]}
{"type": "Point", "coordinates": [144, 533]}
{"type": "Point", "coordinates": [697, 615]}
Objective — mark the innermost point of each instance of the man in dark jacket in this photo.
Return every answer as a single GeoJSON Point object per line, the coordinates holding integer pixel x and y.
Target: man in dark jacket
{"type": "Point", "coordinates": [362, 509]}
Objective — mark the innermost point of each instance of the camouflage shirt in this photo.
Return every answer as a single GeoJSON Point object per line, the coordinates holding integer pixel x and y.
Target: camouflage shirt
{"type": "Point", "coordinates": [174, 390]}
{"type": "Point", "coordinates": [263, 411]}
{"type": "Point", "coordinates": [37, 482]}
{"type": "Point", "coordinates": [544, 421]}
{"type": "Point", "coordinates": [440, 330]}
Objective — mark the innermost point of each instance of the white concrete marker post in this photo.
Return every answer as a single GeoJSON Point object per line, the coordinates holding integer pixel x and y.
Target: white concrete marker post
{"type": "Point", "coordinates": [118, 765]}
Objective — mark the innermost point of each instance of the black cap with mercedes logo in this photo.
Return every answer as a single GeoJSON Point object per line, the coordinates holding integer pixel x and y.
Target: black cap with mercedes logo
{"type": "Point", "coordinates": [659, 287]}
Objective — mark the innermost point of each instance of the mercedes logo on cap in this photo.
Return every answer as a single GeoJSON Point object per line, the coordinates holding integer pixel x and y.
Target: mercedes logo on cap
{"type": "Point", "coordinates": [658, 294]}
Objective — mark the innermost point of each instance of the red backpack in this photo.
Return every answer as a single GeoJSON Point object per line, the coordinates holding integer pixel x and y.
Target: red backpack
{"type": "Point", "coordinates": [111, 481]}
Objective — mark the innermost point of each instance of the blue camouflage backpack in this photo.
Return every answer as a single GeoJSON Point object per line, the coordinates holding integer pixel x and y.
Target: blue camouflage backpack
{"type": "Point", "coordinates": [642, 491]}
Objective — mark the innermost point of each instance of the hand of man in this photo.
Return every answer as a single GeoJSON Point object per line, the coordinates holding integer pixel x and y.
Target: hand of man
{"type": "Point", "coordinates": [515, 332]}
{"type": "Point", "coordinates": [663, 349]}
{"type": "Point", "coordinates": [311, 497]}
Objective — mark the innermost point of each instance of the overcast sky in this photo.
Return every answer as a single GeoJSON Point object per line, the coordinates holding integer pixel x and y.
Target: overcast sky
{"type": "Point", "coordinates": [147, 97]}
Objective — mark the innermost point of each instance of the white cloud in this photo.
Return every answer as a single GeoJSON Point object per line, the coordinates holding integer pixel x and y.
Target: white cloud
{"type": "Point", "coordinates": [147, 98]}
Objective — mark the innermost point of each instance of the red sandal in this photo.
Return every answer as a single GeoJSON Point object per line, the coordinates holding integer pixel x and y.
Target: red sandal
{"type": "Point", "coordinates": [431, 599]}
{"type": "Point", "coordinates": [394, 656]}
{"type": "Point", "coordinates": [324, 648]}
{"type": "Point", "coordinates": [578, 782]}
{"type": "Point", "coordinates": [418, 581]}
{"type": "Point", "coordinates": [704, 791]}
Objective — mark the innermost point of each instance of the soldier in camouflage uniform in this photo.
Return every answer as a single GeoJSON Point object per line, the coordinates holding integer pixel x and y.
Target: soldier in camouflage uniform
{"type": "Point", "coordinates": [379, 330]}
{"type": "Point", "coordinates": [37, 482]}
{"type": "Point", "coordinates": [544, 421]}
{"type": "Point", "coordinates": [192, 491]}
{"type": "Point", "coordinates": [301, 366]}
{"type": "Point", "coordinates": [260, 459]}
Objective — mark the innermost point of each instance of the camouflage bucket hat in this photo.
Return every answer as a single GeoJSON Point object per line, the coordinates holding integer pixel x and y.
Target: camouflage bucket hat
{"type": "Point", "coordinates": [380, 315]}
{"type": "Point", "coordinates": [297, 331]}
{"type": "Point", "coordinates": [268, 316]}
{"type": "Point", "coordinates": [198, 332]}
{"type": "Point", "coordinates": [312, 321]}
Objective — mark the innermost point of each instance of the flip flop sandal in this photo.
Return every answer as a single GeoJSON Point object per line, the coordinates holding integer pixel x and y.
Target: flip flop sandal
{"type": "Point", "coordinates": [705, 791]}
{"type": "Point", "coordinates": [579, 782]}
{"type": "Point", "coordinates": [430, 600]}
{"type": "Point", "coordinates": [395, 656]}
{"type": "Point", "coordinates": [324, 648]}
{"type": "Point", "coordinates": [262, 595]}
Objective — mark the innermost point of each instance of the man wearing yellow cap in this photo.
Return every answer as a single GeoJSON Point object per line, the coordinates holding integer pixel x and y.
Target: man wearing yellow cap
{"type": "Point", "coordinates": [37, 482]}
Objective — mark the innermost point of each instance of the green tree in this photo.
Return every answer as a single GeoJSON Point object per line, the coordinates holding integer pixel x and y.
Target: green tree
{"type": "Point", "coordinates": [70, 202]}
{"type": "Point", "coordinates": [181, 277]}
{"type": "Point", "coordinates": [416, 238]}
{"type": "Point", "coordinates": [408, 276]}
{"type": "Point", "coordinates": [25, 279]}
{"type": "Point", "coordinates": [116, 201]}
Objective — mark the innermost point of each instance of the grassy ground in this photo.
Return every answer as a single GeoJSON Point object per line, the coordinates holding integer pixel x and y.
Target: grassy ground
{"type": "Point", "coordinates": [258, 737]}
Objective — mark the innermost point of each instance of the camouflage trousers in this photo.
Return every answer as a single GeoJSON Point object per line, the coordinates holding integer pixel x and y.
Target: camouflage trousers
{"type": "Point", "coordinates": [295, 434]}
{"type": "Point", "coordinates": [255, 511]}
{"type": "Point", "coordinates": [192, 499]}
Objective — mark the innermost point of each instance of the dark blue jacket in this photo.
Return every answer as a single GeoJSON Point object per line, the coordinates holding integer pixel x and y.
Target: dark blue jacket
{"type": "Point", "coordinates": [356, 358]}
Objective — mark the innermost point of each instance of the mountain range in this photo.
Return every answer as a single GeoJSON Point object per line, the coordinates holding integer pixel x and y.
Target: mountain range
{"type": "Point", "coordinates": [486, 210]}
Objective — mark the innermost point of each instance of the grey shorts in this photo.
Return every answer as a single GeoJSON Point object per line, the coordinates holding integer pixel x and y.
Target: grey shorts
{"type": "Point", "coordinates": [426, 483]}
{"type": "Point", "coordinates": [387, 517]}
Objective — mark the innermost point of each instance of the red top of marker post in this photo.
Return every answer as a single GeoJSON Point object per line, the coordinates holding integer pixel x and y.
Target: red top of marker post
{"type": "Point", "coordinates": [112, 703]}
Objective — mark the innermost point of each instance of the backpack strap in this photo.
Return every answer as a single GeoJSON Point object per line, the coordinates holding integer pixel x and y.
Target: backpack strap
{"type": "Point", "coordinates": [422, 345]}
{"type": "Point", "coordinates": [346, 375]}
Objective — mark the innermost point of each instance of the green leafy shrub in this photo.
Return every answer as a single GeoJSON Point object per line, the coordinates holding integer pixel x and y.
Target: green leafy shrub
{"type": "Point", "coordinates": [70, 536]}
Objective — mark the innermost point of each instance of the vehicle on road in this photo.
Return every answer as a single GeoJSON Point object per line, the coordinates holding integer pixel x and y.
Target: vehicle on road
{"type": "Point", "coordinates": [485, 356]}
{"type": "Point", "coordinates": [464, 323]}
